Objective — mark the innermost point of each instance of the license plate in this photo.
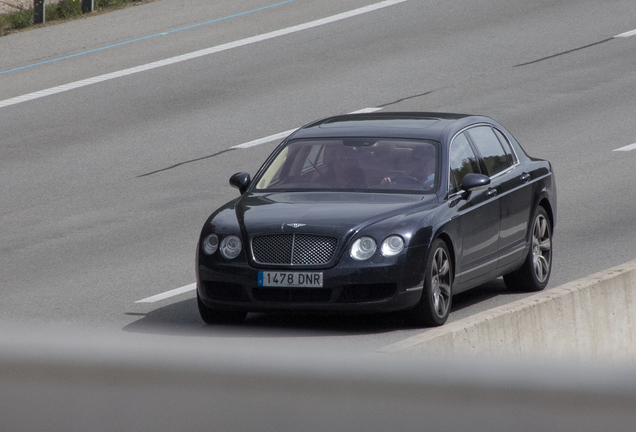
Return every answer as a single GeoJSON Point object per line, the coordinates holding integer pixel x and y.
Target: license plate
{"type": "Point", "coordinates": [289, 279]}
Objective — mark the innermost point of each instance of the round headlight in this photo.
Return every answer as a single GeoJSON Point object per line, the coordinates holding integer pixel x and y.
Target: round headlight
{"type": "Point", "coordinates": [392, 245]}
{"type": "Point", "coordinates": [363, 248]}
{"type": "Point", "coordinates": [210, 244]}
{"type": "Point", "coordinates": [231, 246]}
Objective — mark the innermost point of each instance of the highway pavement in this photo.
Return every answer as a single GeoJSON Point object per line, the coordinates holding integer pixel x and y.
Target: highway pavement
{"type": "Point", "coordinates": [118, 134]}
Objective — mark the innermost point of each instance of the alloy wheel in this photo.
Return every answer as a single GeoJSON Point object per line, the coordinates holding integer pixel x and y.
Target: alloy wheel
{"type": "Point", "coordinates": [441, 282]}
{"type": "Point", "coordinates": [541, 248]}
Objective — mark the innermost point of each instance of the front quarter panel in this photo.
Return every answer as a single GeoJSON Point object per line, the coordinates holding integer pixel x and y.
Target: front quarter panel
{"type": "Point", "coordinates": [223, 220]}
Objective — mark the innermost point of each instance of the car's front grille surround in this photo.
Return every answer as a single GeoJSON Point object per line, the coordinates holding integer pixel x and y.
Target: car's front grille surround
{"type": "Point", "coordinates": [293, 249]}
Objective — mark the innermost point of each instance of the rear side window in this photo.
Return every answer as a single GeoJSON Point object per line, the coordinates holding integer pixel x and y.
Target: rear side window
{"type": "Point", "coordinates": [490, 149]}
{"type": "Point", "coordinates": [462, 161]}
{"type": "Point", "coordinates": [512, 159]}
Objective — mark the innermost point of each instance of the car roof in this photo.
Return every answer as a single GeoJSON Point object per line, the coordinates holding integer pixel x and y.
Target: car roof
{"type": "Point", "coordinates": [421, 125]}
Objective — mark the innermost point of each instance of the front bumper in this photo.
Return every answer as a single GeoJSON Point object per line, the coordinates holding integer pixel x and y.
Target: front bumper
{"type": "Point", "coordinates": [376, 285]}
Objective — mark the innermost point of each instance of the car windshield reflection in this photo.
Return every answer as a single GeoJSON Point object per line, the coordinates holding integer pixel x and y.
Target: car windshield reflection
{"type": "Point", "coordinates": [354, 164]}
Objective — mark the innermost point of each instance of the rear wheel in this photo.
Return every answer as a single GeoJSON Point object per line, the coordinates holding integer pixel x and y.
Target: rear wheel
{"type": "Point", "coordinates": [215, 316]}
{"type": "Point", "coordinates": [437, 295]}
{"type": "Point", "coordinates": [534, 274]}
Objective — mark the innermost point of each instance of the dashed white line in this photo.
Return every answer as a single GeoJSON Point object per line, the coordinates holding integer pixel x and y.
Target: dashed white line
{"type": "Point", "coordinates": [289, 132]}
{"type": "Point", "coordinates": [266, 139]}
{"type": "Point", "coordinates": [627, 148]}
{"type": "Point", "coordinates": [626, 34]}
{"type": "Point", "coordinates": [197, 54]}
{"type": "Point", "coordinates": [168, 294]}
{"type": "Point", "coordinates": [366, 110]}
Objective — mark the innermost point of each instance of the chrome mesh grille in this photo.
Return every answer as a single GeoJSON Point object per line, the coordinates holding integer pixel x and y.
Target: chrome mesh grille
{"type": "Point", "coordinates": [293, 249]}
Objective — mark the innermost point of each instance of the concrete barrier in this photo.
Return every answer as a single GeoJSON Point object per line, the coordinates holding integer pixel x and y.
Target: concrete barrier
{"type": "Point", "coordinates": [590, 318]}
{"type": "Point", "coordinates": [485, 373]}
{"type": "Point", "coordinates": [113, 383]}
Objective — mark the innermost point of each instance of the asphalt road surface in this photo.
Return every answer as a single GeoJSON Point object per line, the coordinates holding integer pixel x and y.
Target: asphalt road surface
{"type": "Point", "coordinates": [118, 134]}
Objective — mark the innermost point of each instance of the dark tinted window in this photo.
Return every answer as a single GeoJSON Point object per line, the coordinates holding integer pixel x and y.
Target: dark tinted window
{"type": "Point", "coordinates": [506, 145]}
{"type": "Point", "coordinates": [462, 162]}
{"type": "Point", "coordinates": [490, 148]}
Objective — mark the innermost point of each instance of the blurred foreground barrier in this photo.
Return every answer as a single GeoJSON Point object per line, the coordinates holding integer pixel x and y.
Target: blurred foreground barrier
{"type": "Point", "coordinates": [486, 373]}
{"type": "Point", "coordinates": [155, 384]}
{"type": "Point", "coordinates": [590, 318]}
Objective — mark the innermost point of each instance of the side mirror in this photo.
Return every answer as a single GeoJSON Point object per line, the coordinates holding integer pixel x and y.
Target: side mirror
{"type": "Point", "coordinates": [473, 181]}
{"type": "Point", "coordinates": [240, 181]}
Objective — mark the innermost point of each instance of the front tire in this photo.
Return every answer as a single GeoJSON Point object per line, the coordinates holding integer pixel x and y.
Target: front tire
{"type": "Point", "coordinates": [437, 294]}
{"type": "Point", "coordinates": [534, 274]}
{"type": "Point", "coordinates": [215, 316]}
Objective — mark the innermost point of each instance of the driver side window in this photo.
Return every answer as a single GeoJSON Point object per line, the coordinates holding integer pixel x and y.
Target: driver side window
{"type": "Point", "coordinates": [462, 161]}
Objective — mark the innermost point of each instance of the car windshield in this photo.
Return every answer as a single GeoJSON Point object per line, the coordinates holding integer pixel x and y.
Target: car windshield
{"type": "Point", "coordinates": [353, 163]}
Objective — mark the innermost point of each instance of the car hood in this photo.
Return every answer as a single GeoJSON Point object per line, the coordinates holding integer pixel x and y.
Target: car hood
{"type": "Point", "coordinates": [339, 214]}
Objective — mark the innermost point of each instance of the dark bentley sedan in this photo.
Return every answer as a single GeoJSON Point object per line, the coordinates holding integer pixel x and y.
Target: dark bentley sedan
{"type": "Point", "coordinates": [379, 212]}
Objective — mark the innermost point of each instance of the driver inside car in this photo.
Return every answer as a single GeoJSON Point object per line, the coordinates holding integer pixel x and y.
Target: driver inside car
{"type": "Point", "coordinates": [420, 166]}
{"type": "Point", "coordinates": [344, 167]}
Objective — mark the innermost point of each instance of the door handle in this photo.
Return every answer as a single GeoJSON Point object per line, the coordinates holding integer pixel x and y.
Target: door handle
{"type": "Point", "coordinates": [525, 177]}
{"type": "Point", "coordinates": [491, 192]}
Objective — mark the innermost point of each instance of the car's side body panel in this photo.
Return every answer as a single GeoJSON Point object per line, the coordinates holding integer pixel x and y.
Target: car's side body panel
{"type": "Point", "coordinates": [478, 222]}
{"type": "Point", "coordinates": [515, 194]}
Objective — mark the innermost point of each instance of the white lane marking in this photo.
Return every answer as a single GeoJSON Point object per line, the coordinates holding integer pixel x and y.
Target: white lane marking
{"type": "Point", "coordinates": [626, 34]}
{"type": "Point", "coordinates": [281, 135]}
{"type": "Point", "coordinates": [285, 134]}
{"type": "Point", "coordinates": [366, 110]}
{"type": "Point", "coordinates": [627, 148]}
{"type": "Point", "coordinates": [168, 294]}
{"type": "Point", "coordinates": [266, 139]}
{"type": "Point", "coordinates": [197, 54]}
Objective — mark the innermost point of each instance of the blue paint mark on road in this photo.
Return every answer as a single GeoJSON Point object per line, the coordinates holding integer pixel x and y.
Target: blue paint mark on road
{"type": "Point", "coordinates": [148, 37]}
